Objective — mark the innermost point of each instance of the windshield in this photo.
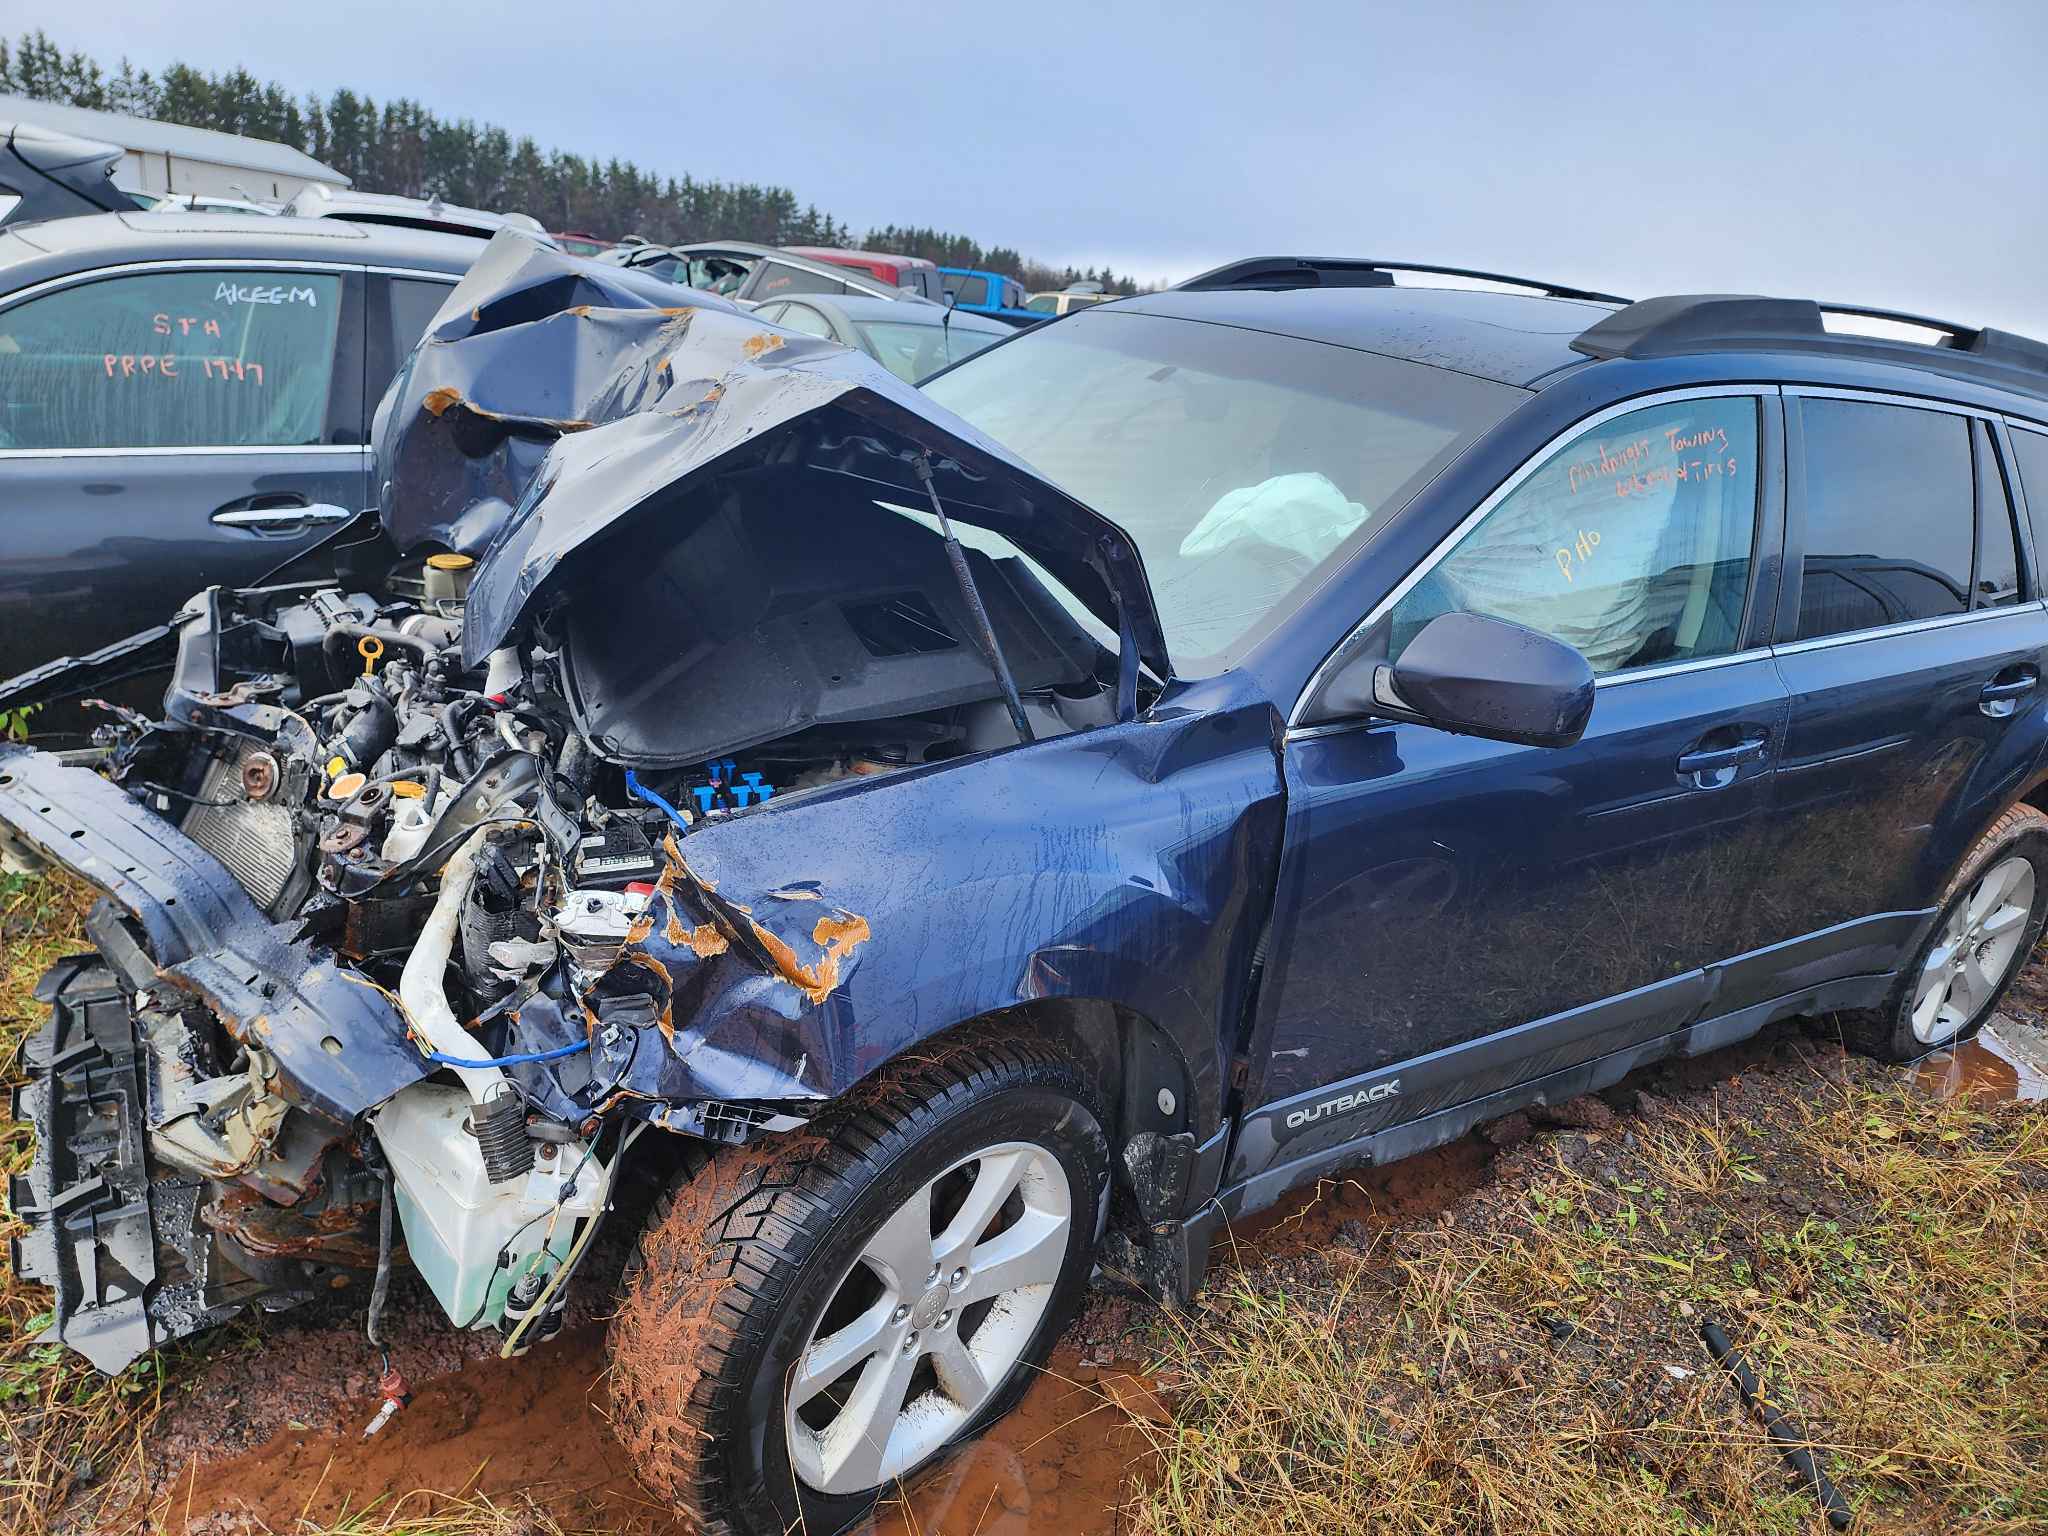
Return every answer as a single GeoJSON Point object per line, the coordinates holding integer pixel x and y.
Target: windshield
{"type": "Point", "coordinates": [913, 352]}
{"type": "Point", "coordinates": [1241, 463]}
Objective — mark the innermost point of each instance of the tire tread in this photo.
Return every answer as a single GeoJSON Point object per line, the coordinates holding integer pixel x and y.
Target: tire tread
{"type": "Point", "coordinates": [725, 1242]}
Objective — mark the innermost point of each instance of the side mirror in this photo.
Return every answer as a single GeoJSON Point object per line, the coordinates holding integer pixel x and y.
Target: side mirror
{"type": "Point", "coordinates": [1473, 676]}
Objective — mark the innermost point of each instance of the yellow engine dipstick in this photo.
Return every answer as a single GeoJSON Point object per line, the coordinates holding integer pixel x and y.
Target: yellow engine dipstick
{"type": "Point", "coordinates": [370, 648]}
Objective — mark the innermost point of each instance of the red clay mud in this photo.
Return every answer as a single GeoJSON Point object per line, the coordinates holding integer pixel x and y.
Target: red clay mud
{"type": "Point", "coordinates": [532, 1427]}
{"type": "Point", "coordinates": [1057, 1466]}
{"type": "Point", "coordinates": [540, 1427]}
{"type": "Point", "coordinates": [1312, 1216]}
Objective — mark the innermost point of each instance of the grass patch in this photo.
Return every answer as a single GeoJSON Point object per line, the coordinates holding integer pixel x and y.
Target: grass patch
{"type": "Point", "coordinates": [1531, 1362]}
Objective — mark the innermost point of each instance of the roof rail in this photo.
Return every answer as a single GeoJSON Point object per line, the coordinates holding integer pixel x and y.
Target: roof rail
{"type": "Point", "coordinates": [1676, 324]}
{"type": "Point", "coordinates": [1355, 272]}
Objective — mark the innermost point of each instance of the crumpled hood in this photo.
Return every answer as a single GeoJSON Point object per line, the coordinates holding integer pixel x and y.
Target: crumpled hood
{"type": "Point", "coordinates": [554, 400]}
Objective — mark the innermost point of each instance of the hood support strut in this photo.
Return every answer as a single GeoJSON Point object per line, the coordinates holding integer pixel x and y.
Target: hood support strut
{"type": "Point", "coordinates": [985, 632]}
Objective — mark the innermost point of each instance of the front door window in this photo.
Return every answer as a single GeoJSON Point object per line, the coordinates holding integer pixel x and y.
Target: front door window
{"type": "Point", "coordinates": [1631, 543]}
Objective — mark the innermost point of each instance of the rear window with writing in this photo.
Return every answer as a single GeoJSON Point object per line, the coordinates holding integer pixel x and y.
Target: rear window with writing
{"type": "Point", "coordinates": [1630, 544]}
{"type": "Point", "coordinates": [171, 360]}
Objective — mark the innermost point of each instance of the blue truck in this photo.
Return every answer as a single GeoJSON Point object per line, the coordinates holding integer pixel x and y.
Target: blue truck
{"type": "Point", "coordinates": [988, 293]}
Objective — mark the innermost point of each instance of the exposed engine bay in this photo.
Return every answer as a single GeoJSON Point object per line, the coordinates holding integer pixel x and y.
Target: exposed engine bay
{"type": "Point", "coordinates": [402, 915]}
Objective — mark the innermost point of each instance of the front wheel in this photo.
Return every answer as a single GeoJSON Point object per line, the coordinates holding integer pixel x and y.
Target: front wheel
{"type": "Point", "coordinates": [1990, 920]}
{"type": "Point", "coordinates": [812, 1319]}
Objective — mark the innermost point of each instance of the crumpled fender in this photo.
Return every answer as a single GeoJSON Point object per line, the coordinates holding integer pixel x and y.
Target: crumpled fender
{"type": "Point", "coordinates": [795, 949]}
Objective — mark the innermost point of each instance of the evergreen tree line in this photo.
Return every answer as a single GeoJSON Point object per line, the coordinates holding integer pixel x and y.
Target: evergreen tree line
{"type": "Point", "coordinates": [403, 147]}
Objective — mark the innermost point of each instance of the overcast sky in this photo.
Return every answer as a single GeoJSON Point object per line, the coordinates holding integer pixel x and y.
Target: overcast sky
{"type": "Point", "coordinates": [1884, 154]}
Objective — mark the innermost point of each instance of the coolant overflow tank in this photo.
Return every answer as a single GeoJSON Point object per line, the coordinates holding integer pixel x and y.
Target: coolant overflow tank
{"type": "Point", "coordinates": [447, 578]}
{"type": "Point", "coordinates": [457, 1222]}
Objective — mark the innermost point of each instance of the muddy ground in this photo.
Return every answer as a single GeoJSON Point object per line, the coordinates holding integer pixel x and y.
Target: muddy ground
{"type": "Point", "coordinates": [270, 1433]}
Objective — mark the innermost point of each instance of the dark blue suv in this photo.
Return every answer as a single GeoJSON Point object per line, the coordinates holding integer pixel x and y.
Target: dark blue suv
{"type": "Point", "coordinates": [1203, 742]}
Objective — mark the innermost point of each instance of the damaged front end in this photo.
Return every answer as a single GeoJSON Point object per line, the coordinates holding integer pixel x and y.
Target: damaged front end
{"type": "Point", "coordinates": [409, 888]}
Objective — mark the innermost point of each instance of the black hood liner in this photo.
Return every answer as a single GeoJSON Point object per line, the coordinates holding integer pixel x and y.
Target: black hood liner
{"type": "Point", "coordinates": [555, 399]}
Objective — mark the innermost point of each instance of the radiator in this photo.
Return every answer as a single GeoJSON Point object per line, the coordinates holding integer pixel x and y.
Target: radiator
{"type": "Point", "coordinates": [252, 838]}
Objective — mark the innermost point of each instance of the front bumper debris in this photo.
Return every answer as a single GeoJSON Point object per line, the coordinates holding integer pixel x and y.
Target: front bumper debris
{"type": "Point", "coordinates": [125, 1254]}
{"type": "Point", "coordinates": [340, 1043]}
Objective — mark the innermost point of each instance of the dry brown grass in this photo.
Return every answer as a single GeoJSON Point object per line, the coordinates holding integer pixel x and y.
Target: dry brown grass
{"type": "Point", "coordinates": [422, 1512]}
{"type": "Point", "coordinates": [1531, 1363]}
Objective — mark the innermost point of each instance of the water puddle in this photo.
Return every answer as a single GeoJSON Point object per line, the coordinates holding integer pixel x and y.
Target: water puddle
{"type": "Point", "coordinates": [1986, 1068]}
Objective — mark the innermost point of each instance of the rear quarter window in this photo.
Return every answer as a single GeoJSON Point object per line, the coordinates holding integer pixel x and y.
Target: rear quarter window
{"type": "Point", "coordinates": [2030, 450]}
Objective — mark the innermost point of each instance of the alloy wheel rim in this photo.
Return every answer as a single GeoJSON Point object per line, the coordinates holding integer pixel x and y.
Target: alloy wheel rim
{"type": "Point", "coordinates": [1979, 944]}
{"type": "Point", "coordinates": [926, 1323]}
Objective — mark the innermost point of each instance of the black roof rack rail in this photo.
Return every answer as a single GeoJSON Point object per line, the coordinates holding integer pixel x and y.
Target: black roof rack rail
{"type": "Point", "coordinates": [1355, 272]}
{"type": "Point", "coordinates": [1680, 323]}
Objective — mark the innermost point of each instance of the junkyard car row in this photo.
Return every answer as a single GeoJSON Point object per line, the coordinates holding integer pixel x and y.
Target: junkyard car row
{"type": "Point", "coordinates": [972, 836]}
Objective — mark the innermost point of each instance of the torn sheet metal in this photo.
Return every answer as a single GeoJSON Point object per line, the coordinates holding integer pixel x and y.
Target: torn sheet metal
{"type": "Point", "coordinates": [787, 954]}
{"type": "Point", "coordinates": [553, 401]}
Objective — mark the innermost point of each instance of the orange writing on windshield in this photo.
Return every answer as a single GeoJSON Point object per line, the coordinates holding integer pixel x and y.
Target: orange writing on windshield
{"type": "Point", "coordinates": [165, 325]}
{"type": "Point", "coordinates": [129, 365]}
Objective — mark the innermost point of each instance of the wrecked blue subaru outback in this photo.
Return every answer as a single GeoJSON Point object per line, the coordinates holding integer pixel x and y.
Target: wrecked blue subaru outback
{"type": "Point", "coordinates": [1004, 832]}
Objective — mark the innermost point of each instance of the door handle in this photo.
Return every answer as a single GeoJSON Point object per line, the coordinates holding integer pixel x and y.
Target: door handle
{"type": "Point", "coordinates": [278, 513]}
{"type": "Point", "coordinates": [1714, 767]}
{"type": "Point", "coordinates": [2000, 697]}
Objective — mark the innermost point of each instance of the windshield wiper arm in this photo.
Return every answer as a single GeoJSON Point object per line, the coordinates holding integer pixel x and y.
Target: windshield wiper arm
{"type": "Point", "coordinates": [985, 632]}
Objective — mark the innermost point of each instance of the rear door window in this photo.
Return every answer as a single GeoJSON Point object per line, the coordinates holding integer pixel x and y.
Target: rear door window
{"type": "Point", "coordinates": [972, 290]}
{"type": "Point", "coordinates": [1631, 543]}
{"type": "Point", "coordinates": [1890, 516]}
{"type": "Point", "coordinates": [185, 359]}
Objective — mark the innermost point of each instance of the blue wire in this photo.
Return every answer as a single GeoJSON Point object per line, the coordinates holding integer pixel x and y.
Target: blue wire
{"type": "Point", "coordinates": [634, 786]}
{"type": "Point", "coordinates": [510, 1061]}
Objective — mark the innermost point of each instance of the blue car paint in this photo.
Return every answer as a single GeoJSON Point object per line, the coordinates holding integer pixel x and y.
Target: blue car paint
{"type": "Point", "coordinates": [1436, 888]}
{"type": "Point", "coordinates": [1695, 977]}
{"type": "Point", "coordinates": [801, 945]}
